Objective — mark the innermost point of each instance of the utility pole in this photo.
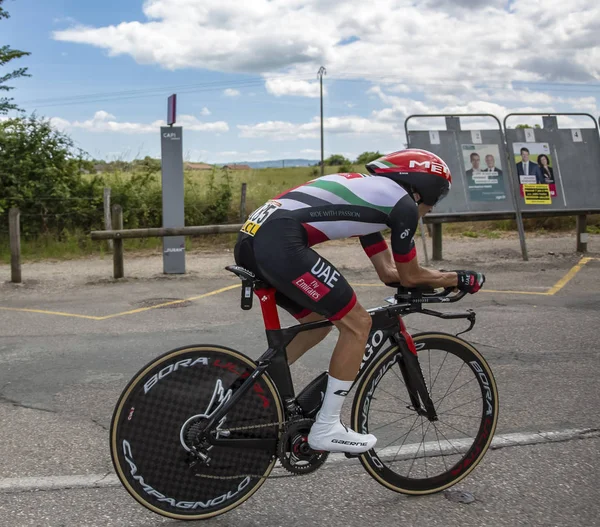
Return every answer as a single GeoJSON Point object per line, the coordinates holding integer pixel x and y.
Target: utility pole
{"type": "Point", "coordinates": [320, 73]}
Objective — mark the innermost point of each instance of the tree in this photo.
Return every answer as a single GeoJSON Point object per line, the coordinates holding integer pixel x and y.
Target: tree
{"type": "Point", "coordinates": [336, 159]}
{"type": "Point", "coordinates": [40, 172]}
{"type": "Point", "coordinates": [6, 55]}
{"type": "Point", "coordinates": [367, 157]}
{"type": "Point", "coordinates": [527, 126]}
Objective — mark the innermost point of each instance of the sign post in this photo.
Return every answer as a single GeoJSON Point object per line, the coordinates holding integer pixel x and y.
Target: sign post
{"type": "Point", "coordinates": [171, 146]}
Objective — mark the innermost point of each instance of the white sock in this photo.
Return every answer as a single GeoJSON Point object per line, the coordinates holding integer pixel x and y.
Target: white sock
{"type": "Point", "coordinates": [334, 399]}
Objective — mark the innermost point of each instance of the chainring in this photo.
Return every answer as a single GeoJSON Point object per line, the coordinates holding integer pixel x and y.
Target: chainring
{"type": "Point", "coordinates": [293, 451]}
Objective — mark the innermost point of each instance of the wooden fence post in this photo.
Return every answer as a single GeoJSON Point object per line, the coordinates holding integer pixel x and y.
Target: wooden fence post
{"type": "Point", "coordinates": [582, 235]}
{"type": "Point", "coordinates": [14, 229]}
{"type": "Point", "coordinates": [243, 204]}
{"type": "Point", "coordinates": [117, 225]}
{"type": "Point", "coordinates": [437, 242]}
{"type": "Point", "coordinates": [107, 219]}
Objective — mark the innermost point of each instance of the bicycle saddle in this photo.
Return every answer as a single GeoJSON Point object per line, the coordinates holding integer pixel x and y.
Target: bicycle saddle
{"type": "Point", "coordinates": [242, 273]}
{"type": "Point", "coordinates": [249, 284]}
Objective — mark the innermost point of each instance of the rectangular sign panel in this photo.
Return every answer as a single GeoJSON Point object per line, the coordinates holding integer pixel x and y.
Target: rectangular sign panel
{"type": "Point", "coordinates": [172, 197]}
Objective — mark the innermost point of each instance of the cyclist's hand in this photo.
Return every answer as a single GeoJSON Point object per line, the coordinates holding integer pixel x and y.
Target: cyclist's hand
{"type": "Point", "coordinates": [470, 281]}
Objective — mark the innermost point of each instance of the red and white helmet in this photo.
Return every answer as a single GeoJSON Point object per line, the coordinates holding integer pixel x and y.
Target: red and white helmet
{"type": "Point", "coordinates": [422, 171]}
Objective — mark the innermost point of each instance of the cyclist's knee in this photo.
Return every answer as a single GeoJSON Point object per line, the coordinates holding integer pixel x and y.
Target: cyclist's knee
{"type": "Point", "coordinates": [357, 322]}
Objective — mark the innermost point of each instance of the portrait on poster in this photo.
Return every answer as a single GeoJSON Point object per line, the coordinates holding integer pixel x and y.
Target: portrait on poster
{"type": "Point", "coordinates": [534, 165]}
{"type": "Point", "coordinates": [483, 170]}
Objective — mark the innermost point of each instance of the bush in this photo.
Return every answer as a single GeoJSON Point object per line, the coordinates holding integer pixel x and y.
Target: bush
{"type": "Point", "coordinates": [367, 157]}
{"type": "Point", "coordinates": [41, 174]}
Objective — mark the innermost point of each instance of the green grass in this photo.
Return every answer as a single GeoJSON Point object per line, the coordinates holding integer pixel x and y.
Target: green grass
{"type": "Point", "coordinates": [51, 247]}
{"type": "Point", "coordinates": [262, 185]}
{"type": "Point", "coordinates": [593, 229]}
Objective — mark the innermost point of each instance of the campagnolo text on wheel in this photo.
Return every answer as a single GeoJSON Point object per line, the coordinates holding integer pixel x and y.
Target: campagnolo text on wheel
{"type": "Point", "coordinates": [197, 431]}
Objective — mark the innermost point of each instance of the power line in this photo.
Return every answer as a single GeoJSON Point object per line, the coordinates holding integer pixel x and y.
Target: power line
{"type": "Point", "coordinates": [150, 92]}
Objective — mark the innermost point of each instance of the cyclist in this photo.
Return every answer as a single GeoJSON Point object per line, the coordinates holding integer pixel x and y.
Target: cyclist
{"type": "Point", "coordinates": [275, 243]}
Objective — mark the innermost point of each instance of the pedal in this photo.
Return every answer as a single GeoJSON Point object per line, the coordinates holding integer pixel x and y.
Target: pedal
{"type": "Point", "coordinates": [351, 456]}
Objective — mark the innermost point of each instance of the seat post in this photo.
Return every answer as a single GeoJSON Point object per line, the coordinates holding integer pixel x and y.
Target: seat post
{"type": "Point", "coordinates": [268, 305]}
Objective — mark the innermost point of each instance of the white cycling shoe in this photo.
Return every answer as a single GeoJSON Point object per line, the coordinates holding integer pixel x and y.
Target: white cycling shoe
{"type": "Point", "coordinates": [339, 438]}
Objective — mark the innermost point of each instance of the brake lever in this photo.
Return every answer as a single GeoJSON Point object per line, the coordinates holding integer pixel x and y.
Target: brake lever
{"type": "Point", "coordinates": [471, 318]}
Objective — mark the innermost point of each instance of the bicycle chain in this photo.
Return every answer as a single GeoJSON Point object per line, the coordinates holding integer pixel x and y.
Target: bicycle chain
{"type": "Point", "coordinates": [249, 427]}
{"type": "Point", "coordinates": [237, 429]}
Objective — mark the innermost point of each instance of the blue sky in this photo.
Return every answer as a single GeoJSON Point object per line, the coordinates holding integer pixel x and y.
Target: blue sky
{"type": "Point", "coordinates": [103, 70]}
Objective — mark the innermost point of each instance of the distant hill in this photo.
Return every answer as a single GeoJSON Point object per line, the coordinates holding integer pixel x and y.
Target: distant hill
{"type": "Point", "coordinates": [276, 164]}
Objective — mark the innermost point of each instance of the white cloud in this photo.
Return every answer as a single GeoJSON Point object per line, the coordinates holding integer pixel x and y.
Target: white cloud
{"type": "Point", "coordinates": [456, 40]}
{"type": "Point", "coordinates": [205, 111]}
{"type": "Point", "coordinates": [283, 130]}
{"type": "Point", "coordinates": [285, 86]}
{"type": "Point", "coordinates": [229, 92]}
{"type": "Point", "coordinates": [106, 122]}
{"type": "Point", "coordinates": [501, 102]}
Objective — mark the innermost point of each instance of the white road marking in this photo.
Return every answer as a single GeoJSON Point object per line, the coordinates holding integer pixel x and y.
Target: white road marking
{"type": "Point", "coordinates": [93, 481]}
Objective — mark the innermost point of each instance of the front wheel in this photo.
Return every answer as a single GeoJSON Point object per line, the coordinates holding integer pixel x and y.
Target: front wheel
{"type": "Point", "coordinates": [157, 421]}
{"type": "Point", "coordinates": [414, 455]}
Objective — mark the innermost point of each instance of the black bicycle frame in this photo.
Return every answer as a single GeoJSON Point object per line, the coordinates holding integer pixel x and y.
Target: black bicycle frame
{"type": "Point", "coordinates": [387, 325]}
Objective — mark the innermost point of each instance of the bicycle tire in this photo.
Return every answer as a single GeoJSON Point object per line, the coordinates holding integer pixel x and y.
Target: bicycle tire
{"type": "Point", "coordinates": [151, 427]}
{"type": "Point", "coordinates": [376, 461]}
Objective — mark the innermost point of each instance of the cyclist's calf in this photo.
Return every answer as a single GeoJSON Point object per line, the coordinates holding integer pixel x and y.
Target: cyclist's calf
{"type": "Point", "coordinates": [354, 331]}
{"type": "Point", "coordinates": [307, 339]}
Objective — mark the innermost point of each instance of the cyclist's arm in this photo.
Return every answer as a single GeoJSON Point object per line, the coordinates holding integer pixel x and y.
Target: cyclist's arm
{"type": "Point", "coordinates": [380, 255]}
{"type": "Point", "coordinates": [403, 222]}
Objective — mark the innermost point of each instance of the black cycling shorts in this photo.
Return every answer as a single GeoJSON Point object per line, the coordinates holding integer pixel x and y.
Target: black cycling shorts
{"type": "Point", "coordinates": [305, 281]}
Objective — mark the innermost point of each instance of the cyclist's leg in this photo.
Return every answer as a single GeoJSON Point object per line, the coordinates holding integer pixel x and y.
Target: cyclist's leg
{"type": "Point", "coordinates": [298, 272]}
{"type": "Point", "coordinates": [244, 256]}
{"type": "Point", "coordinates": [307, 339]}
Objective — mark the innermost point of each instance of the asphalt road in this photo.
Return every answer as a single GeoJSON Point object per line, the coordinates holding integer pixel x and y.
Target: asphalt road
{"type": "Point", "coordinates": [60, 377]}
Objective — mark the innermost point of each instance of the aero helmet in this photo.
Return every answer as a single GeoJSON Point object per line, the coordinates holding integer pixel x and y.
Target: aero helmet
{"type": "Point", "coordinates": [419, 170]}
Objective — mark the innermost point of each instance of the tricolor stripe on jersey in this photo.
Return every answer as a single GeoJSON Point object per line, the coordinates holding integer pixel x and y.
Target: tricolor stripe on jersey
{"type": "Point", "coordinates": [341, 205]}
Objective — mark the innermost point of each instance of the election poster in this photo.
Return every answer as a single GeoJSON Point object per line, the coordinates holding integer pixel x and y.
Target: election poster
{"type": "Point", "coordinates": [534, 167]}
{"type": "Point", "coordinates": [484, 174]}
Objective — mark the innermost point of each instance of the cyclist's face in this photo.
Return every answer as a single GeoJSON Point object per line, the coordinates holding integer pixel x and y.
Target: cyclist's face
{"type": "Point", "coordinates": [424, 209]}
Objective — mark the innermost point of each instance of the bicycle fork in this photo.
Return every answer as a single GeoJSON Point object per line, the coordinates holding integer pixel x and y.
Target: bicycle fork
{"type": "Point", "coordinates": [408, 362]}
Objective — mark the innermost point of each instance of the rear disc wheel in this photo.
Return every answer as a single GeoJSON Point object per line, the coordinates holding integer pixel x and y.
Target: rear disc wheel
{"type": "Point", "coordinates": [157, 424]}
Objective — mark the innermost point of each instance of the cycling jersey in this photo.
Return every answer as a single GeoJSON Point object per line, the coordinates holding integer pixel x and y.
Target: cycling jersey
{"type": "Point", "coordinates": [346, 205]}
{"type": "Point", "coordinates": [275, 242]}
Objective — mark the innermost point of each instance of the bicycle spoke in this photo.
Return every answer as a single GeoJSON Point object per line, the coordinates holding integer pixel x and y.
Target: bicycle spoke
{"type": "Point", "coordinates": [403, 435]}
{"type": "Point", "coordinates": [399, 378]}
{"type": "Point", "coordinates": [438, 372]}
{"type": "Point", "coordinates": [456, 389]}
{"type": "Point", "coordinates": [418, 449]}
{"type": "Point", "coordinates": [388, 424]}
{"type": "Point", "coordinates": [447, 440]}
{"type": "Point", "coordinates": [460, 415]}
{"type": "Point", "coordinates": [389, 411]}
{"type": "Point", "coordinates": [464, 404]}
{"type": "Point", "coordinates": [444, 396]}
{"type": "Point", "coordinates": [394, 396]}
{"type": "Point", "coordinates": [454, 428]}
{"type": "Point", "coordinates": [440, 445]}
